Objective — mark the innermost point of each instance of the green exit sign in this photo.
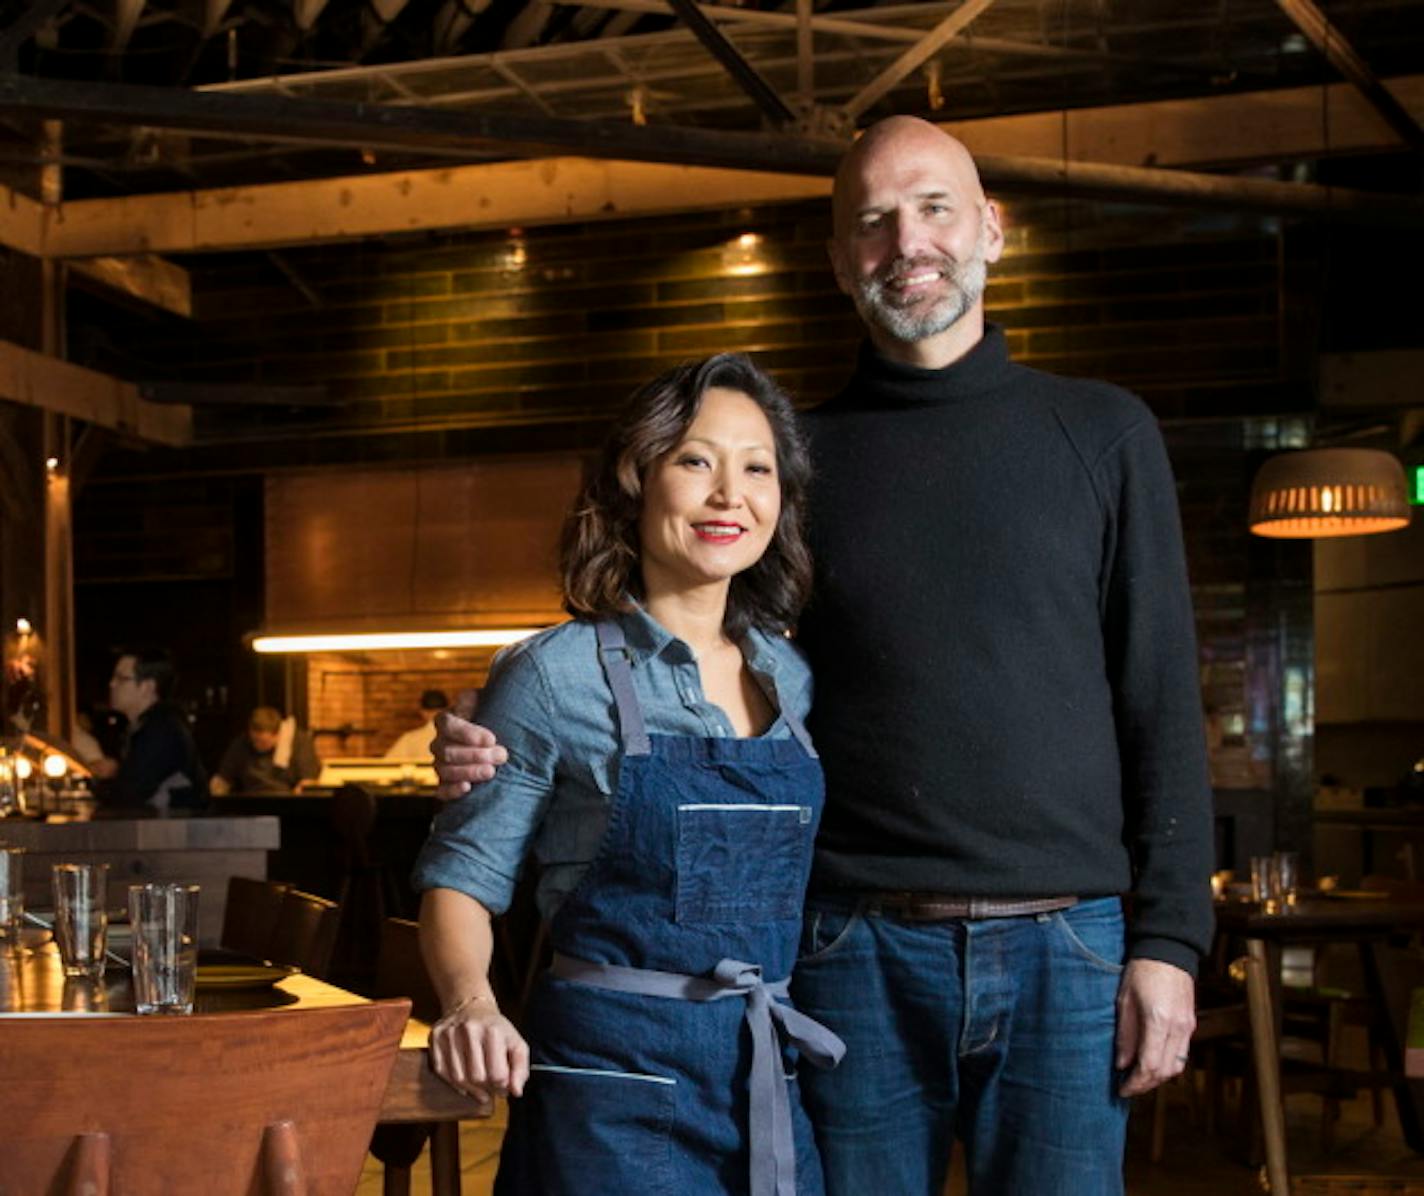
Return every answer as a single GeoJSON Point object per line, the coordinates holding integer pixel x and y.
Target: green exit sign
{"type": "Point", "coordinates": [1416, 485]}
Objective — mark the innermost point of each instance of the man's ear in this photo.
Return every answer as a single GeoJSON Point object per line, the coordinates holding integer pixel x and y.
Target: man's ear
{"type": "Point", "coordinates": [993, 232]}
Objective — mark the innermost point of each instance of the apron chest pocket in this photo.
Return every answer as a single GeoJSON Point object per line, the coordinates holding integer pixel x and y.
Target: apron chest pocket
{"type": "Point", "coordinates": [741, 862]}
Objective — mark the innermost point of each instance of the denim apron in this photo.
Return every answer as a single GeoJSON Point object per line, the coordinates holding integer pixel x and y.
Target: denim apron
{"type": "Point", "coordinates": [661, 1039]}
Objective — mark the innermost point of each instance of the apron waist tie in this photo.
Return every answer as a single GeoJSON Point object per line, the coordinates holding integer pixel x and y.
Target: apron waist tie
{"type": "Point", "coordinates": [773, 1151]}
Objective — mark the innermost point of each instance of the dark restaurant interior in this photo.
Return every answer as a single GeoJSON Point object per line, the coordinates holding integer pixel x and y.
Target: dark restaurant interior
{"type": "Point", "coordinates": [315, 313]}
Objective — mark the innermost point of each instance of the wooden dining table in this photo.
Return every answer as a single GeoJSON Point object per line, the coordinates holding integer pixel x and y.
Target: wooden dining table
{"type": "Point", "coordinates": [32, 981]}
{"type": "Point", "coordinates": [1368, 921]}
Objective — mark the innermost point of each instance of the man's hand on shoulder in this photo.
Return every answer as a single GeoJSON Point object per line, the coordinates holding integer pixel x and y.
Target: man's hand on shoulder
{"type": "Point", "coordinates": [1156, 1014]}
{"type": "Point", "coordinates": [465, 753]}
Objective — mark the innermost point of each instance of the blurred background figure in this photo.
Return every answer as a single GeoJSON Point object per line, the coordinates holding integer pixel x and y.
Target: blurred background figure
{"type": "Point", "coordinates": [273, 757]}
{"type": "Point", "coordinates": [158, 766]}
{"type": "Point", "coordinates": [414, 745]}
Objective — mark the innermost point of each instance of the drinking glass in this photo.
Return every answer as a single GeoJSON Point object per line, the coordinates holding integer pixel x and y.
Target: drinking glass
{"type": "Point", "coordinates": [9, 802]}
{"type": "Point", "coordinates": [164, 919]}
{"type": "Point", "coordinates": [12, 894]}
{"type": "Point", "coordinates": [81, 918]}
{"type": "Point", "coordinates": [1285, 875]}
{"type": "Point", "coordinates": [1260, 878]}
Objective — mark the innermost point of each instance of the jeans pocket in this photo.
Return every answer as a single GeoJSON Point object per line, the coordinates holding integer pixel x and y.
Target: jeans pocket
{"type": "Point", "coordinates": [824, 933]}
{"type": "Point", "coordinates": [601, 1130]}
{"type": "Point", "coordinates": [1093, 936]}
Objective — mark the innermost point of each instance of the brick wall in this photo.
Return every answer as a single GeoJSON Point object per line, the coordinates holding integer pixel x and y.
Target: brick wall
{"type": "Point", "coordinates": [378, 695]}
{"type": "Point", "coordinates": [557, 324]}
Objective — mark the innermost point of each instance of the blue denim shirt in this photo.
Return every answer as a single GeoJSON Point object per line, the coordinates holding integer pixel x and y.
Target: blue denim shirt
{"type": "Point", "coordinates": [550, 706]}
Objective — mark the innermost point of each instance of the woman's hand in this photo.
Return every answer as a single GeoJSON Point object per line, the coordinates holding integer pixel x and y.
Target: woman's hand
{"type": "Point", "coordinates": [476, 1049]}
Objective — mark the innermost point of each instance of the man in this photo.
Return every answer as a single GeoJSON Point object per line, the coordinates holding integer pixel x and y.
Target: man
{"type": "Point", "coordinates": [1008, 714]}
{"type": "Point", "coordinates": [414, 745]}
{"type": "Point", "coordinates": [273, 758]}
{"type": "Point", "coordinates": [159, 770]}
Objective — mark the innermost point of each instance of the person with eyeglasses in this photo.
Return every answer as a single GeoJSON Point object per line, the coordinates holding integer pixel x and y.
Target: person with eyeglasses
{"type": "Point", "coordinates": [159, 770]}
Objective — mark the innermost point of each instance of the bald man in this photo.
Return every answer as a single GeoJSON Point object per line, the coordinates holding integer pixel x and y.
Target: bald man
{"type": "Point", "coordinates": [1008, 713]}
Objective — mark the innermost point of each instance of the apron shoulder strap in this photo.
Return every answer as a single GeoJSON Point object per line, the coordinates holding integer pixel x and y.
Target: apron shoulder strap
{"type": "Point", "coordinates": [613, 653]}
{"type": "Point", "coordinates": [798, 729]}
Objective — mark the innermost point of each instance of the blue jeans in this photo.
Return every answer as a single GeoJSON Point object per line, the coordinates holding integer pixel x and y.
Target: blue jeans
{"type": "Point", "coordinates": [998, 1032]}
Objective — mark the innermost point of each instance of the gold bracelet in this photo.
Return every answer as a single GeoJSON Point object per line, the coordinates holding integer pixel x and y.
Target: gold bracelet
{"type": "Point", "coordinates": [465, 1004]}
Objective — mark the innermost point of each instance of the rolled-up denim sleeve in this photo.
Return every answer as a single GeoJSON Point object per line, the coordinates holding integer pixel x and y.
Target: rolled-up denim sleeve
{"type": "Point", "coordinates": [478, 843]}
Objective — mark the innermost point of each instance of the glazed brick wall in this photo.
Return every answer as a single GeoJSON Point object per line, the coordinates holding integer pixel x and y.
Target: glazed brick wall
{"type": "Point", "coordinates": [558, 324]}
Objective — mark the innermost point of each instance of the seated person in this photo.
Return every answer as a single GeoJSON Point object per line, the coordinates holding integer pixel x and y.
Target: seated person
{"type": "Point", "coordinates": [158, 769]}
{"type": "Point", "coordinates": [272, 758]}
{"type": "Point", "coordinates": [415, 744]}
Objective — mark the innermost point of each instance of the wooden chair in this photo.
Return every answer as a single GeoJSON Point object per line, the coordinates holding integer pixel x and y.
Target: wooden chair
{"type": "Point", "coordinates": [250, 914]}
{"type": "Point", "coordinates": [367, 891]}
{"type": "Point", "coordinates": [277, 1103]}
{"type": "Point", "coordinates": [400, 972]}
{"type": "Point", "coordinates": [305, 933]}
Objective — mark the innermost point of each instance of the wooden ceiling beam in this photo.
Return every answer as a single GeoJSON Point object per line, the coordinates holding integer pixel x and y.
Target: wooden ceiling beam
{"type": "Point", "coordinates": [1336, 47]}
{"type": "Point", "coordinates": [151, 280]}
{"type": "Point", "coordinates": [306, 12]}
{"type": "Point", "coordinates": [432, 130]}
{"type": "Point", "coordinates": [746, 76]}
{"type": "Point", "coordinates": [946, 31]}
{"type": "Point", "coordinates": [499, 195]}
{"type": "Point", "coordinates": [126, 18]}
{"type": "Point", "coordinates": [37, 380]}
{"type": "Point", "coordinates": [1257, 127]}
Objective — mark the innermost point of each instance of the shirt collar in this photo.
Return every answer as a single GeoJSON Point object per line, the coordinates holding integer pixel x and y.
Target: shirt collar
{"type": "Point", "coordinates": [647, 638]}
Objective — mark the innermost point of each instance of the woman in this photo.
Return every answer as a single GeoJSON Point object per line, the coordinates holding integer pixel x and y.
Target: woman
{"type": "Point", "coordinates": [660, 773]}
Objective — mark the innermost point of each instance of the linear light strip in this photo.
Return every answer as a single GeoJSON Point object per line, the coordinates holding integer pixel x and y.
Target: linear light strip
{"type": "Point", "coordinates": [380, 641]}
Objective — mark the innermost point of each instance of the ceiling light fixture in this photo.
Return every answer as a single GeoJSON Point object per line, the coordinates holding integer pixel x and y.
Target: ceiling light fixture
{"type": "Point", "coordinates": [1315, 493]}
{"type": "Point", "coordinates": [390, 641]}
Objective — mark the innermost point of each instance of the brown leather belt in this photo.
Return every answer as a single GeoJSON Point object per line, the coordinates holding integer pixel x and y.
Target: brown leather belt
{"type": "Point", "coordinates": [939, 907]}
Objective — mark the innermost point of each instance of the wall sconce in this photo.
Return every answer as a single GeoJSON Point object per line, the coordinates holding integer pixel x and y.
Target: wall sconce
{"type": "Point", "coordinates": [1315, 493]}
{"type": "Point", "coordinates": [743, 255]}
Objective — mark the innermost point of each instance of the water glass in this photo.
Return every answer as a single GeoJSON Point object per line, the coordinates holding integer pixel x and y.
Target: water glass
{"type": "Point", "coordinates": [1260, 878]}
{"type": "Point", "coordinates": [81, 917]}
{"type": "Point", "coordinates": [9, 799]}
{"type": "Point", "coordinates": [1285, 876]}
{"type": "Point", "coordinates": [12, 894]}
{"type": "Point", "coordinates": [164, 919]}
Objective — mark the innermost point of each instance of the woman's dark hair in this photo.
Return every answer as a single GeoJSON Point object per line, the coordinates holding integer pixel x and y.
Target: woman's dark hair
{"type": "Point", "coordinates": [599, 556]}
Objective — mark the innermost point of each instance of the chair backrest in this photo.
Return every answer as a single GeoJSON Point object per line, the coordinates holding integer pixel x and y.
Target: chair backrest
{"type": "Point", "coordinates": [281, 1101]}
{"type": "Point", "coordinates": [250, 914]}
{"type": "Point", "coordinates": [400, 969]}
{"type": "Point", "coordinates": [305, 934]}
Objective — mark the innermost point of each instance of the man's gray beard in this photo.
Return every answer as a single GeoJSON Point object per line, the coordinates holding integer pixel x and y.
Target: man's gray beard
{"type": "Point", "coordinates": [967, 280]}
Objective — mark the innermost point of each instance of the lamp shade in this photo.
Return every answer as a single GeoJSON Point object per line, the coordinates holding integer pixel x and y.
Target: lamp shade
{"type": "Point", "coordinates": [1329, 492]}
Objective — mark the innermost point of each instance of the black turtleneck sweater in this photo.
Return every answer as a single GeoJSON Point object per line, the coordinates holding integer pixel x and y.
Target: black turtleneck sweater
{"type": "Point", "coordinates": [1007, 700]}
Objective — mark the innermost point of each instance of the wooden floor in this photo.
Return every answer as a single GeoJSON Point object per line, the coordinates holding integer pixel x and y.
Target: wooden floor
{"type": "Point", "coordinates": [1194, 1164]}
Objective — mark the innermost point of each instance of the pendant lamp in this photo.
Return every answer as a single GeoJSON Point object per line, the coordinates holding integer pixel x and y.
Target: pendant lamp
{"type": "Point", "coordinates": [1314, 493]}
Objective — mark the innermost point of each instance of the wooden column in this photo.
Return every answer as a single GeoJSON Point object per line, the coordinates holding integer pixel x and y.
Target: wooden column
{"type": "Point", "coordinates": [58, 626]}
